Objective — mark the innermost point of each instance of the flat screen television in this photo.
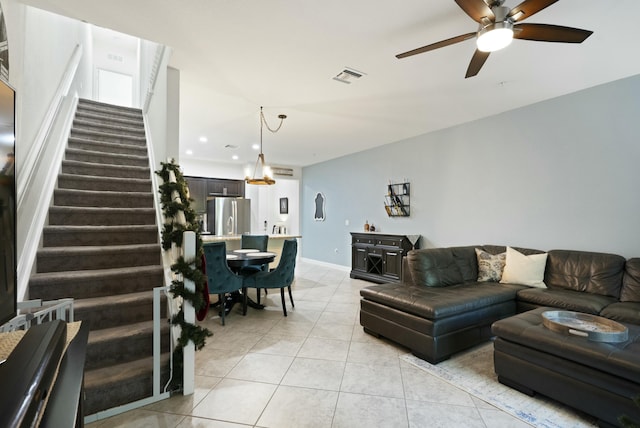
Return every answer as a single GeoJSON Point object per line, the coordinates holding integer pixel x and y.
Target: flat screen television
{"type": "Point", "coordinates": [8, 260]}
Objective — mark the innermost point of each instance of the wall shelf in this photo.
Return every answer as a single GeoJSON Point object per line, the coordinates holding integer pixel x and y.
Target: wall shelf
{"type": "Point", "coordinates": [397, 200]}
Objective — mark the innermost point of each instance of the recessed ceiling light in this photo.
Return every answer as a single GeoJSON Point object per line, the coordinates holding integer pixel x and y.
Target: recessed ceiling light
{"type": "Point", "coordinates": [189, 152]}
{"type": "Point", "coordinates": [234, 157]}
{"type": "Point", "coordinates": [255, 146]}
{"type": "Point", "coordinates": [203, 139]}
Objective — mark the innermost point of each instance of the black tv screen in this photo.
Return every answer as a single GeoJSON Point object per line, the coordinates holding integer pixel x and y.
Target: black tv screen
{"type": "Point", "coordinates": [8, 280]}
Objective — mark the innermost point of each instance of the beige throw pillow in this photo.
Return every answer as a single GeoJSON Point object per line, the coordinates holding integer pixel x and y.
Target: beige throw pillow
{"type": "Point", "coordinates": [490, 266]}
{"type": "Point", "coordinates": [524, 270]}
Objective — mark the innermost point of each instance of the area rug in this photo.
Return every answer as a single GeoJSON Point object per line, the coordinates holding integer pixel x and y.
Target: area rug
{"type": "Point", "coordinates": [472, 371]}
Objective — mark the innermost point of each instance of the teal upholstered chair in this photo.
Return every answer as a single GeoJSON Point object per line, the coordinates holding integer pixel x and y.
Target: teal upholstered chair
{"type": "Point", "coordinates": [220, 279]}
{"type": "Point", "coordinates": [281, 277]}
{"type": "Point", "coordinates": [259, 242]}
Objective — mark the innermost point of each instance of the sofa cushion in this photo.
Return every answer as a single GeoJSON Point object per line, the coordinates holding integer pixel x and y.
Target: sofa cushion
{"type": "Point", "coordinates": [442, 267]}
{"type": "Point", "coordinates": [524, 270]}
{"type": "Point", "coordinates": [596, 273]}
{"type": "Point", "coordinates": [566, 299]}
{"type": "Point", "coordinates": [623, 311]}
{"type": "Point", "coordinates": [440, 302]}
{"type": "Point", "coordinates": [490, 266]}
{"type": "Point", "coordinates": [631, 281]}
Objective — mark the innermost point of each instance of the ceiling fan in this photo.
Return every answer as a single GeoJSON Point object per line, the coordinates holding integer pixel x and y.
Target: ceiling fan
{"type": "Point", "coordinates": [499, 25]}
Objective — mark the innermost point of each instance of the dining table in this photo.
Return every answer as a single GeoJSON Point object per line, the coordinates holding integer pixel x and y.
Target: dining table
{"type": "Point", "coordinates": [236, 260]}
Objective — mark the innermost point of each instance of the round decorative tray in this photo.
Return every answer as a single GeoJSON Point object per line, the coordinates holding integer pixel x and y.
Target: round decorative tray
{"type": "Point", "coordinates": [593, 327]}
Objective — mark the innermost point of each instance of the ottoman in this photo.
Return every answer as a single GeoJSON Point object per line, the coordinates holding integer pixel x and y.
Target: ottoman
{"type": "Point", "coordinates": [600, 379]}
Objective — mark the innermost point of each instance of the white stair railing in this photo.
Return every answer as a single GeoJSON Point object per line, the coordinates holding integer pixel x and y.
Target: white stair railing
{"type": "Point", "coordinates": [33, 312]}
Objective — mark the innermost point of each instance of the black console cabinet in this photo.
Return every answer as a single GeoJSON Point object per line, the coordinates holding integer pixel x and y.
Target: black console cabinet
{"type": "Point", "coordinates": [377, 257]}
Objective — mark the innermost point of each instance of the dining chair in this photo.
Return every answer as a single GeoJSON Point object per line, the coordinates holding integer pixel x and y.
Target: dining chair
{"type": "Point", "coordinates": [281, 277]}
{"type": "Point", "coordinates": [258, 242]}
{"type": "Point", "coordinates": [220, 278]}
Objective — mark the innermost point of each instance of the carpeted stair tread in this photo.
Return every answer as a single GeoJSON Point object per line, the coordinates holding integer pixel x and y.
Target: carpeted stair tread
{"type": "Point", "coordinates": [72, 235]}
{"type": "Point", "coordinates": [93, 182]}
{"type": "Point", "coordinates": [108, 128]}
{"type": "Point", "coordinates": [97, 105]}
{"type": "Point", "coordinates": [113, 386]}
{"type": "Point", "coordinates": [108, 136]}
{"type": "Point", "coordinates": [59, 259]}
{"type": "Point", "coordinates": [106, 147]}
{"type": "Point", "coordinates": [105, 198]}
{"type": "Point", "coordinates": [117, 345]}
{"type": "Point", "coordinates": [84, 284]}
{"type": "Point", "coordinates": [106, 158]}
{"type": "Point", "coordinates": [100, 116]}
{"type": "Point", "coordinates": [101, 216]}
{"type": "Point", "coordinates": [117, 310]}
{"type": "Point", "coordinates": [106, 170]}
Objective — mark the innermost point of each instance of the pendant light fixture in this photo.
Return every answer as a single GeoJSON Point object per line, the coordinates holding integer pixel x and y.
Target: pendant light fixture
{"type": "Point", "coordinates": [264, 177]}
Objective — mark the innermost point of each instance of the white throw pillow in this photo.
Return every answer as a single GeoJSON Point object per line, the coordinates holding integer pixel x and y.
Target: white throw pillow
{"type": "Point", "coordinates": [524, 270]}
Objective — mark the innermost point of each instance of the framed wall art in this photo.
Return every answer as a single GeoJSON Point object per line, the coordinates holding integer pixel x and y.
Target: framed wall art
{"type": "Point", "coordinates": [284, 205]}
{"type": "Point", "coordinates": [319, 212]}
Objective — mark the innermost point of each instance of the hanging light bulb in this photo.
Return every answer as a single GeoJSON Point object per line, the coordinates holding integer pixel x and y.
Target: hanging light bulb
{"type": "Point", "coordinates": [265, 177]}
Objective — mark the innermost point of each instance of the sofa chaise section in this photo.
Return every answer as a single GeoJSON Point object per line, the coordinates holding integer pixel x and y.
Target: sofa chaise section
{"type": "Point", "coordinates": [439, 309]}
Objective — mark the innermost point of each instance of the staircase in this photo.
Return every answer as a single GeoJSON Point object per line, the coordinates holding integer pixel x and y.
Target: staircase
{"type": "Point", "coordinates": [101, 248]}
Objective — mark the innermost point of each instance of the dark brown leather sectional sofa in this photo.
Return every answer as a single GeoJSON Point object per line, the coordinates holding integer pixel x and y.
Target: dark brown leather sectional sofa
{"type": "Point", "coordinates": [439, 308]}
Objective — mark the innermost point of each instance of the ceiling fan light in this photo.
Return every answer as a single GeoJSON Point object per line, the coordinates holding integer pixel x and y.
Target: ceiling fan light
{"type": "Point", "coordinates": [495, 37]}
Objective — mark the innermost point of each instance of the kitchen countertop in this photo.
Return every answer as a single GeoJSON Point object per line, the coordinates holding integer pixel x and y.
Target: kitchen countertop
{"type": "Point", "coordinates": [209, 237]}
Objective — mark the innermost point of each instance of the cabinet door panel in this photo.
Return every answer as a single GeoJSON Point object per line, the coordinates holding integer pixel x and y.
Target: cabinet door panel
{"type": "Point", "coordinates": [392, 263]}
{"type": "Point", "coordinates": [198, 192]}
{"type": "Point", "coordinates": [359, 259]}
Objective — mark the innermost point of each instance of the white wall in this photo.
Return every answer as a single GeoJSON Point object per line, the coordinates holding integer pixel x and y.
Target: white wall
{"type": "Point", "coordinates": [157, 114]}
{"type": "Point", "coordinates": [558, 174]}
{"type": "Point", "coordinates": [41, 47]}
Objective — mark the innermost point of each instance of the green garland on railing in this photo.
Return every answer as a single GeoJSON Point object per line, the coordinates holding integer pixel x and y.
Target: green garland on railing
{"type": "Point", "coordinates": [173, 233]}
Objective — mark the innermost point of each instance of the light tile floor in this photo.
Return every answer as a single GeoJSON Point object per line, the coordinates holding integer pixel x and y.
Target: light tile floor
{"type": "Point", "coordinates": [314, 368]}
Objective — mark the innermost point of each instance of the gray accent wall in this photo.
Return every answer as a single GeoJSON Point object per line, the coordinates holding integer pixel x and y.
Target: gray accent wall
{"type": "Point", "coordinates": [563, 173]}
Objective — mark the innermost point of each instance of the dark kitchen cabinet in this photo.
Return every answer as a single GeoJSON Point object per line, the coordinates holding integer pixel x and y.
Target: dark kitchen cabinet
{"type": "Point", "coordinates": [202, 188]}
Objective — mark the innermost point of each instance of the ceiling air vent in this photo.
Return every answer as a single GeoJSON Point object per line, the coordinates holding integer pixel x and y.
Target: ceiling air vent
{"type": "Point", "coordinates": [347, 75]}
{"type": "Point", "coordinates": [278, 170]}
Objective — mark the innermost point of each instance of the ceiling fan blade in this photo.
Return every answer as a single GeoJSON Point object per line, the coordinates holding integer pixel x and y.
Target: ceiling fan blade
{"type": "Point", "coordinates": [550, 33]}
{"type": "Point", "coordinates": [476, 9]}
{"type": "Point", "coordinates": [477, 61]}
{"type": "Point", "coordinates": [437, 45]}
{"type": "Point", "coordinates": [528, 8]}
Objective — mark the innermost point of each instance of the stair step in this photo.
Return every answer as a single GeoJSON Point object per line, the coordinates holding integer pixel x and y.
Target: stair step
{"type": "Point", "coordinates": [109, 199]}
{"type": "Point", "coordinates": [89, 182]}
{"type": "Point", "coordinates": [84, 284]}
{"type": "Point", "coordinates": [106, 158]}
{"type": "Point", "coordinates": [117, 310]}
{"type": "Point", "coordinates": [117, 345]}
{"type": "Point", "coordinates": [114, 386]}
{"type": "Point", "coordinates": [60, 259]}
{"type": "Point", "coordinates": [106, 147]}
{"type": "Point", "coordinates": [90, 216]}
{"type": "Point", "coordinates": [108, 137]}
{"type": "Point", "coordinates": [69, 236]}
{"type": "Point", "coordinates": [108, 127]}
{"type": "Point", "coordinates": [102, 170]}
{"type": "Point", "coordinates": [85, 104]}
{"type": "Point", "coordinates": [99, 116]}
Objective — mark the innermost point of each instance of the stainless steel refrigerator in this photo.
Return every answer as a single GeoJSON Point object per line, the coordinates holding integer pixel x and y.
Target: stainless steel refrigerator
{"type": "Point", "coordinates": [229, 216]}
